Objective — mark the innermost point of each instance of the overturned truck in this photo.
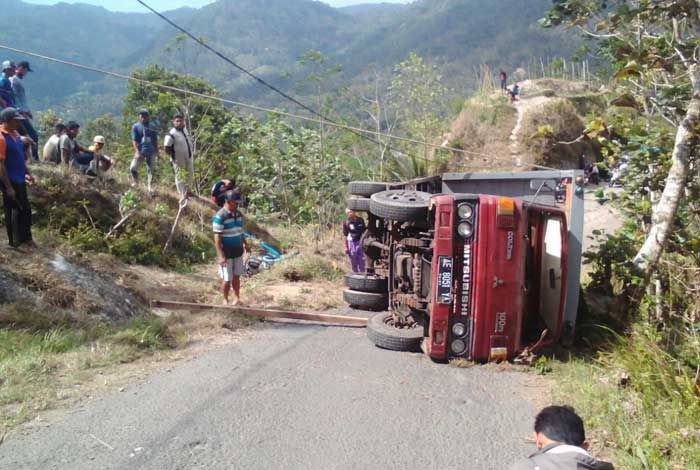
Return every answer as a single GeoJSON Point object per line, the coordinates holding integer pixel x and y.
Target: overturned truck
{"type": "Point", "coordinates": [481, 267]}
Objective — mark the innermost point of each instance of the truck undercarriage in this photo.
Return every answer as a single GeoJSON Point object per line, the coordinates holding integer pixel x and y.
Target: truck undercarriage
{"type": "Point", "coordinates": [480, 276]}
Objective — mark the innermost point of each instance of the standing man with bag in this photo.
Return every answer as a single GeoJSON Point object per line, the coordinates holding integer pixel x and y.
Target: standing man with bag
{"type": "Point", "coordinates": [14, 176]}
{"type": "Point", "coordinates": [144, 138]}
{"type": "Point", "coordinates": [178, 146]}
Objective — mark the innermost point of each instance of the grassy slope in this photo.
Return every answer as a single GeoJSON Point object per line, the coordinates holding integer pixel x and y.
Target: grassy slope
{"type": "Point", "coordinates": [55, 334]}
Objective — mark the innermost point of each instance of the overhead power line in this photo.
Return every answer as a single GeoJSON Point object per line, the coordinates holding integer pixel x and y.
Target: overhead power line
{"type": "Point", "coordinates": [257, 108]}
{"type": "Point", "coordinates": [325, 119]}
{"type": "Point", "coordinates": [246, 71]}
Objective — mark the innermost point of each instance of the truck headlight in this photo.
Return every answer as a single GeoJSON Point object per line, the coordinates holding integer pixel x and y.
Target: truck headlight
{"type": "Point", "coordinates": [458, 329]}
{"type": "Point", "coordinates": [465, 211]}
{"type": "Point", "coordinates": [458, 346]}
{"type": "Point", "coordinates": [465, 229]}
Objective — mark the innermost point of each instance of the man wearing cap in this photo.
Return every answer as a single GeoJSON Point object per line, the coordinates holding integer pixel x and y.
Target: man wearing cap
{"type": "Point", "coordinates": [20, 97]}
{"type": "Point", "coordinates": [7, 97]}
{"type": "Point", "coordinates": [230, 245]}
{"type": "Point", "coordinates": [178, 145]}
{"type": "Point", "coordinates": [101, 162]}
{"type": "Point", "coordinates": [219, 190]}
{"type": "Point", "coordinates": [14, 176]}
{"type": "Point", "coordinates": [145, 140]}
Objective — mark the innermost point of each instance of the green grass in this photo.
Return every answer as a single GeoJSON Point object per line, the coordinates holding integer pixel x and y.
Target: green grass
{"type": "Point", "coordinates": [641, 403]}
{"type": "Point", "coordinates": [39, 359]}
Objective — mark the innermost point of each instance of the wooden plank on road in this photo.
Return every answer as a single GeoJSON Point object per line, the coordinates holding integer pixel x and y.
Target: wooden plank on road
{"type": "Point", "coordinates": [324, 318]}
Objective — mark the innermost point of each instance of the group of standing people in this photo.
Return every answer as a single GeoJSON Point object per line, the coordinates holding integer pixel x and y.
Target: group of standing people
{"type": "Point", "coordinates": [177, 144]}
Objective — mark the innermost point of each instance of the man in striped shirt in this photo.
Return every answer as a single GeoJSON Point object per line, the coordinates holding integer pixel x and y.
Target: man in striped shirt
{"type": "Point", "coordinates": [230, 245]}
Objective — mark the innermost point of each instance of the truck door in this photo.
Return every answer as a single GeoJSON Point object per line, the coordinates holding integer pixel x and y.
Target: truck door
{"type": "Point", "coordinates": [552, 272]}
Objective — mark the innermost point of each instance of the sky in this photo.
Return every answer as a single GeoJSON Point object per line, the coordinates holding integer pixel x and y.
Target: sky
{"type": "Point", "coordinates": [134, 6]}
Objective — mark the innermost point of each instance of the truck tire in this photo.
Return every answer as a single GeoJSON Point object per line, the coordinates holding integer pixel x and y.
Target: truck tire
{"type": "Point", "coordinates": [356, 203]}
{"type": "Point", "coordinates": [400, 205]}
{"type": "Point", "coordinates": [372, 301]}
{"type": "Point", "coordinates": [387, 337]}
{"type": "Point", "coordinates": [365, 188]}
{"type": "Point", "coordinates": [365, 283]}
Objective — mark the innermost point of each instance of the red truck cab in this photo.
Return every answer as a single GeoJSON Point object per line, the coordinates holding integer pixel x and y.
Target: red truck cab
{"type": "Point", "coordinates": [500, 278]}
{"type": "Point", "coordinates": [480, 267]}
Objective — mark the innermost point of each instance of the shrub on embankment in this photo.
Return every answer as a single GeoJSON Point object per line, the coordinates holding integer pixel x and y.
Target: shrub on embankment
{"type": "Point", "coordinates": [549, 135]}
{"type": "Point", "coordinates": [82, 213]}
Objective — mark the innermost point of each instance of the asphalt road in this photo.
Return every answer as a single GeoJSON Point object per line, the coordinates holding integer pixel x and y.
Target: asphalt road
{"type": "Point", "coordinates": [292, 397]}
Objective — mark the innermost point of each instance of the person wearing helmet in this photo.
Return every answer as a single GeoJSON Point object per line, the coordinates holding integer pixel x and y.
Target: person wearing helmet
{"type": "Point", "coordinates": [101, 163]}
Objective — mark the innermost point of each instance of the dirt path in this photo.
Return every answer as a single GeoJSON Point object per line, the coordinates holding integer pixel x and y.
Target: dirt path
{"type": "Point", "coordinates": [522, 106]}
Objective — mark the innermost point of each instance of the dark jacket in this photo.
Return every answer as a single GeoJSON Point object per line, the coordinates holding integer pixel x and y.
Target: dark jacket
{"type": "Point", "coordinates": [562, 457]}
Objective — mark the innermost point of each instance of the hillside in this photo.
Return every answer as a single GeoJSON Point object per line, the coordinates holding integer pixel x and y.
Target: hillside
{"type": "Point", "coordinates": [512, 134]}
{"type": "Point", "coordinates": [267, 37]}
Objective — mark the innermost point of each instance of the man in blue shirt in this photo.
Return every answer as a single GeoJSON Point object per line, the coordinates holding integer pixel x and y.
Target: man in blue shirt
{"type": "Point", "coordinates": [14, 176]}
{"type": "Point", "coordinates": [145, 140]}
{"type": "Point", "coordinates": [230, 245]}
{"type": "Point", "coordinates": [7, 97]}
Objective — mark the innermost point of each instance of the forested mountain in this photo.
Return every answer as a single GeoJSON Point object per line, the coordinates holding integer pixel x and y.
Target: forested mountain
{"type": "Point", "coordinates": [268, 37]}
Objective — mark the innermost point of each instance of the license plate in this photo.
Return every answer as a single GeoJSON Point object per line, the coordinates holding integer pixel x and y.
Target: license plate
{"type": "Point", "coordinates": [444, 280]}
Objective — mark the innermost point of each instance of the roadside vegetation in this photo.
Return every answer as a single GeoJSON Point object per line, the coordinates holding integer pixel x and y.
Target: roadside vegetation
{"type": "Point", "coordinates": [636, 379]}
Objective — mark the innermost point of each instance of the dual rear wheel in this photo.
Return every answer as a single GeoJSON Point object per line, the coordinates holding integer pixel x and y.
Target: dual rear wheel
{"type": "Point", "coordinates": [366, 292]}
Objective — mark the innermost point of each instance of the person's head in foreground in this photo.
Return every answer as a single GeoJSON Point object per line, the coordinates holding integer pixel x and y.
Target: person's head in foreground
{"type": "Point", "coordinates": [560, 439]}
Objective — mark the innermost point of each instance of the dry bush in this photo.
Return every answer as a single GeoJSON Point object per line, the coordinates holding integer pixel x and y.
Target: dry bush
{"type": "Point", "coordinates": [564, 125]}
{"type": "Point", "coordinates": [483, 128]}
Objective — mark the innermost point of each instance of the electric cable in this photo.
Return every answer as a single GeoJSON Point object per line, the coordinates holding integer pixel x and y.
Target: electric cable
{"type": "Point", "coordinates": [268, 85]}
{"type": "Point", "coordinates": [246, 71]}
{"type": "Point", "coordinates": [261, 108]}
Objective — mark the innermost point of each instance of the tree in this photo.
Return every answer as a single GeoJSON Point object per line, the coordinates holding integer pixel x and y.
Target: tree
{"type": "Point", "coordinates": [416, 91]}
{"type": "Point", "coordinates": [654, 48]}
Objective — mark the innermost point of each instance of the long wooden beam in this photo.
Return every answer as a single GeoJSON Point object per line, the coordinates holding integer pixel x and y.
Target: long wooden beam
{"type": "Point", "coordinates": [324, 318]}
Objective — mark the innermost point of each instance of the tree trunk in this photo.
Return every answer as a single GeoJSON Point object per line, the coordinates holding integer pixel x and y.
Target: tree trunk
{"type": "Point", "coordinates": [665, 212]}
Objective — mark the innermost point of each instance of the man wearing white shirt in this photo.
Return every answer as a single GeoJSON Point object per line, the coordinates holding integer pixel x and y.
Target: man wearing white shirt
{"type": "Point", "coordinates": [178, 145]}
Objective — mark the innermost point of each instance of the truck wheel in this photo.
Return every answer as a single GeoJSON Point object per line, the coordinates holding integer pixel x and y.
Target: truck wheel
{"type": "Point", "coordinates": [365, 188]}
{"type": "Point", "coordinates": [365, 283]}
{"type": "Point", "coordinates": [358, 203]}
{"type": "Point", "coordinates": [381, 332]}
{"type": "Point", "coordinates": [366, 300]}
{"type": "Point", "coordinates": [400, 205]}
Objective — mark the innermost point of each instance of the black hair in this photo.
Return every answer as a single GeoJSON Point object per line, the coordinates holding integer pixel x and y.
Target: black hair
{"type": "Point", "coordinates": [72, 125]}
{"type": "Point", "coordinates": [561, 424]}
{"type": "Point", "coordinates": [178, 116]}
{"type": "Point", "coordinates": [60, 127]}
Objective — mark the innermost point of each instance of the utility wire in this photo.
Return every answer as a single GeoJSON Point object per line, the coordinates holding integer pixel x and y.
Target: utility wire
{"type": "Point", "coordinates": [325, 119]}
{"type": "Point", "coordinates": [248, 72]}
{"type": "Point", "coordinates": [259, 108]}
